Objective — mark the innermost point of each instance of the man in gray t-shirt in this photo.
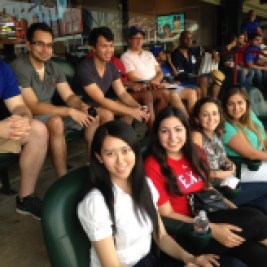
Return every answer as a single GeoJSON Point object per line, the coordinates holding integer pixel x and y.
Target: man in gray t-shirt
{"type": "Point", "coordinates": [97, 75]}
{"type": "Point", "coordinates": [39, 78]}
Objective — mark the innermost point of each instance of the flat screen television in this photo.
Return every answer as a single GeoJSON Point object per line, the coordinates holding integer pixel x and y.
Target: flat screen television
{"type": "Point", "coordinates": [170, 23]}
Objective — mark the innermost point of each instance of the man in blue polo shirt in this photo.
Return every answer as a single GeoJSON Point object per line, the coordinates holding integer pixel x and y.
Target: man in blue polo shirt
{"type": "Point", "coordinates": [19, 133]}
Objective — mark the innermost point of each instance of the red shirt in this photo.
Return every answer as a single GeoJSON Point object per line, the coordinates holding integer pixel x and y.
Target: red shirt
{"type": "Point", "coordinates": [120, 66]}
{"type": "Point", "coordinates": [241, 54]}
{"type": "Point", "coordinates": [117, 62]}
{"type": "Point", "coordinates": [187, 180]}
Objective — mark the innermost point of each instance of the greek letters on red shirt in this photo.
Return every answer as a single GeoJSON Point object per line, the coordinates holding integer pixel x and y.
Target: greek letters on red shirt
{"type": "Point", "coordinates": [187, 180]}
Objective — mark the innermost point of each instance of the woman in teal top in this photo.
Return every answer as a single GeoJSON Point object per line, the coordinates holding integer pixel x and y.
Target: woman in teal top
{"type": "Point", "coordinates": [231, 130]}
{"type": "Point", "coordinates": [244, 134]}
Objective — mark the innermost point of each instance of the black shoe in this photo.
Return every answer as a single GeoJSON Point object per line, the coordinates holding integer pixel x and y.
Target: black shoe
{"type": "Point", "coordinates": [30, 205]}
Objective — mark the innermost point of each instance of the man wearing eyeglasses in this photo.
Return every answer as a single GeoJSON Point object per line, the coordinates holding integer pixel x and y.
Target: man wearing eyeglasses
{"type": "Point", "coordinates": [39, 78]}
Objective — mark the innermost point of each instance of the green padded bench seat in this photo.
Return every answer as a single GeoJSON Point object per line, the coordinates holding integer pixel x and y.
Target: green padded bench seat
{"type": "Point", "coordinates": [66, 242]}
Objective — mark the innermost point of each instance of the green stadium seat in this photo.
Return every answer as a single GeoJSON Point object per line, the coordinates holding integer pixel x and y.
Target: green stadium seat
{"type": "Point", "coordinates": [66, 242]}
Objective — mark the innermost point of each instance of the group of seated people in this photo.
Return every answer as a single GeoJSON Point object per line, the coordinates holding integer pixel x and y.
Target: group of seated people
{"type": "Point", "coordinates": [250, 59]}
{"type": "Point", "coordinates": [120, 209]}
{"type": "Point", "coordinates": [246, 50]}
{"type": "Point", "coordinates": [123, 199]}
{"type": "Point", "coordinates": [29, 86]}
{"type": "Point", "coordinates": [181, 65]}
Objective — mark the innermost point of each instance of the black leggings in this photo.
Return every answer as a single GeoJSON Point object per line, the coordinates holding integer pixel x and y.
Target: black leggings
{"type": "Point", "coordinates": [254, 225]}
{"type": "Point", "coordinates": [151, 261]}
{"type": "Point", "coordinates": [252, 253]}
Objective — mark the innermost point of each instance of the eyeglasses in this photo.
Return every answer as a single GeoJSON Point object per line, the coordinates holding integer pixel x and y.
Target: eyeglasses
{"type": "Point", "coordinates": [42, 44]}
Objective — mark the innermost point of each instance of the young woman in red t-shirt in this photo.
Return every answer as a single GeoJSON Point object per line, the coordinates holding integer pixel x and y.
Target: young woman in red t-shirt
{"type": "Point", "coordinates": [177, 169]}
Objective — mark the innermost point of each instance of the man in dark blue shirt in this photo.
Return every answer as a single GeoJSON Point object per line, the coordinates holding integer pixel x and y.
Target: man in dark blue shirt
{"type": "Point", "coordinates": [183, 57]}
{"type": "Point", "coordinates": [20, 133]}
{"type": "Point", "coordinates": [184, 60]}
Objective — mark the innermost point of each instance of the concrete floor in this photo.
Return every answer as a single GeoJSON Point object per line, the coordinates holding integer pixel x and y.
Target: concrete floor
{"type": "Point", "coordinates": [21, 240]}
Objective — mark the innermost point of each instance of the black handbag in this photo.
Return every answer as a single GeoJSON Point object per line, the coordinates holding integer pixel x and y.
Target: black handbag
{"type": "Point", "coordinates": [253, 165]}
{"type": "Point", "coordinates": [209, 200]}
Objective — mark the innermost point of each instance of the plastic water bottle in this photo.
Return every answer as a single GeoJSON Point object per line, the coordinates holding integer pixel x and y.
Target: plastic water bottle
{"type": "Point", "coordinates": [201, 223]}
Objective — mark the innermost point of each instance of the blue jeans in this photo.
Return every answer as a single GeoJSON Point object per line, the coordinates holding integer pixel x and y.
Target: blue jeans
{"type": "Point", "coordinates": [252, 193]}
{"type": "Point", "coordinates": [245, 77]}
{"type": "Point", "coordinates": [258, 79]}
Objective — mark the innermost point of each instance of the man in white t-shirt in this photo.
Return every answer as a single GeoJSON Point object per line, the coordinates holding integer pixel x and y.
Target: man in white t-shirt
{"type": "Point", "coordinates": [144, 72]}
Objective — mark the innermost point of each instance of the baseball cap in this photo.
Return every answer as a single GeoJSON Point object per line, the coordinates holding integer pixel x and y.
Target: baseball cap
{"type": "Point", "coordinates": [218, 76]}
{"type": "Point", "coordinates": [133, 30]}
{"type": "Point", "coordinates": [155, 50]}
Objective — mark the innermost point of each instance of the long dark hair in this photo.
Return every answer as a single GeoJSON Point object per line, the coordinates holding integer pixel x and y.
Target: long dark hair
{"type": "Point", "coordinates": [189, 150]}
{"type": "Point", "coordinates": [99, 176]}
{"type": "Point", "coordinates": [195, 125]}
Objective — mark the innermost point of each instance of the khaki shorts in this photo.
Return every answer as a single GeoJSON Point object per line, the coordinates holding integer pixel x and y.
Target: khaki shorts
{"type": "Point", "coordinates": [69, 123]}
{"type": "Point", "coordinates": [9, 146]}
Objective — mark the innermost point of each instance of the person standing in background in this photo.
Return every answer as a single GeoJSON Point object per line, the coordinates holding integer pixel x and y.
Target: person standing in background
{"type": "Point", "coordinates": [252, 25]}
